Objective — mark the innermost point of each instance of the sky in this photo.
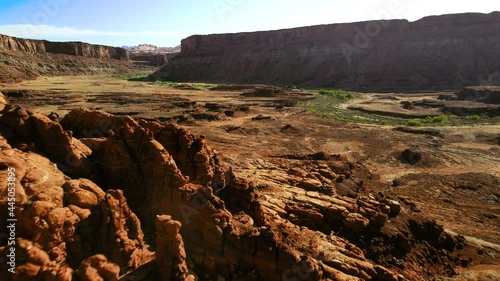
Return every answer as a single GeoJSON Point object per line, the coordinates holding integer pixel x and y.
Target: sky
{"type": "Point", "coordinates": [166, 22]}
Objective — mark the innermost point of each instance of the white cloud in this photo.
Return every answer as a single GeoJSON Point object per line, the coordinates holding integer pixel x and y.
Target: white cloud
{"type": "Point", "coordinates": [48, 31]}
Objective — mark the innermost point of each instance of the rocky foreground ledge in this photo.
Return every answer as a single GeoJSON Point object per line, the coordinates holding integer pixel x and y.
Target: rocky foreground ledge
{"type": "Point", "coordinates": [102, 197]}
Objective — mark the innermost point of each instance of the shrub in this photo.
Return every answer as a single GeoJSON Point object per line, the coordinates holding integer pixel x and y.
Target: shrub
{"type": "Point", "coordinates": [414, 123]}
{"type": "Point", "coordinates": [474, 117]}
{"type": "Point", "coordinates": [351, 96]}
{"type": "Point", "coordinates": [439, 119]}
{"type": "Point", "coordinates": [343, 95]}
{"type": "Point", "coordinates": [292, 87]}
{"type": "Point", "coordinates": [326, 92]}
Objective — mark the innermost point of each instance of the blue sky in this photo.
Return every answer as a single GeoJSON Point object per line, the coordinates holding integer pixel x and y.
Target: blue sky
{"type": "Point", "coordinates": [166, 22]}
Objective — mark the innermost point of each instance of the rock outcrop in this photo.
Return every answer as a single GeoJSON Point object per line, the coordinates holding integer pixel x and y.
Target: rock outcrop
{"type": "Point", "coordinates": [165, 169]}
{"type": "Point", "coordinates": [156, 60]}
{"type": "Point", "coordinates": [29, 131]}
{"type": "Point", "coordinates": [170, 252]}
{"type": "Point", "coordinates": [62, 222]}
{"type": "Point", "coordinates": [448, 51]}
{"type": "Point", "coordinates": [157, 186]}
{"type": "Point", "coordinates": [485, 94]}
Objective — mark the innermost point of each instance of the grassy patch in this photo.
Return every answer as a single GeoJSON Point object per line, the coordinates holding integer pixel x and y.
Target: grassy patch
{"type": "Point", "coordinates": [144, 76]}
{"type": "Point", "coordinates": [166, 83]}
{"type": "Point", "coordinates": [199, 86]}
{"type": "Point", "coordinates": [138, 76]}
{"type": "Point", "coordinates": [328, 103]}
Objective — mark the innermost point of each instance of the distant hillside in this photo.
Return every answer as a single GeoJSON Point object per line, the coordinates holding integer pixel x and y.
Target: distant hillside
{"type": "Point", "coordinates": [153, 55]}
{"type": "Point", "coordinates": [148, 48]}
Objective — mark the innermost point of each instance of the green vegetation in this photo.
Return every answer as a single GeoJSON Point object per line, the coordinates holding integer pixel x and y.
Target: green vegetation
{"type": "Point", "coordinates": [199, 86]}
{"type": "Point", "coordinates": [291, 87]}
{"type": "Point", "coordinates": [414, 123]}
{"type": "Point", "coordinates": [340, 94]}
{"type": "Point", "coordinates": [445, 120]}
{"type": "Point", "coordinates": [166, 83]}
{"type": "Point", "coordinates": [144, 76]}
{"type": "Point", "coordinates": [436, 119]}
{"type": "Point", "coordinates": [330, 104]}
{"type": "Point", "coordinates": [139, 76]}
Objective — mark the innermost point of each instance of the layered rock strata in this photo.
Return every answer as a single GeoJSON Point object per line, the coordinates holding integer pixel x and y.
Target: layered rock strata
{"type": "Point", "coordinates": [449, 51]}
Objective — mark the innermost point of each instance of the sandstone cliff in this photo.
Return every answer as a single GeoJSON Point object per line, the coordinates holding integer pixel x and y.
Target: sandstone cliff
{"type": "Point", "coordinates": [23, 59]}
{"type": "Point", "coordinates": [447, 51]}
{"type": "Point", "coordinates": [67, 48]}
{"type": "Point", "coordinates": [157, 60]}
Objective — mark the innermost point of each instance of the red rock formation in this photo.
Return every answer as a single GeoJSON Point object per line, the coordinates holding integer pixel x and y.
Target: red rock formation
{"type": "Point", "coordinates": [170, 177]}
{"type": "Point", "coordinates": [34, 264]}
{"type": "Point", "coordinates": [14, 44]}
{"type": "Point", "coordinates": [32, 131]}
{"type": "Point", "coordinates": [120, 234]}
{"type": "Point", "coordinates": [165, 169]}
{"type": "Point", "coordinates": [170, 252]}
{"type": "Point", "coordinates": [68, 220]}
{"type": "Point", "coordinates": [98, 268]}
{"type": "Point", "coordinates": [434, 52]}
{"type": "Point", "coordinates": [22, 59]}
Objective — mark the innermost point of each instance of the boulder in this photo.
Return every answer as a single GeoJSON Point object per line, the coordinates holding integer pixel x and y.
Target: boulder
{"type": "Point", "coordinates": [394, 207]}
{"type": "Point", "coordinates": [82, 193]}
{"type": "Point", "coordinates": [356, 221]}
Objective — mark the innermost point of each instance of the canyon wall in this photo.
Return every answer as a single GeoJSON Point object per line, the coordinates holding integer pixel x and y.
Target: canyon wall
{"type": "Point", "coordinates": [435, 52]}
{"type": "Point", "coordinates": [24, 59]}
{"type": "Point", "coordinates": [66, 48]}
